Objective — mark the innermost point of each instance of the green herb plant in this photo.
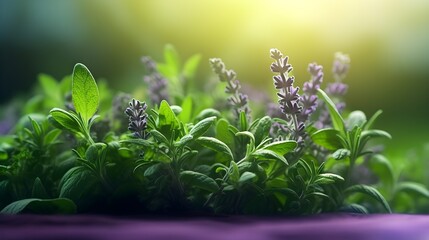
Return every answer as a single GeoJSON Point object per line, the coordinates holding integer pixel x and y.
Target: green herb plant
{"type": "Point", "coordinates": [186, 155]}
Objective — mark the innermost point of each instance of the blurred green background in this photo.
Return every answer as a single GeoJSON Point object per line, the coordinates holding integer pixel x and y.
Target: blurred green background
{"type": "Point", "coordinates": [387, 40]}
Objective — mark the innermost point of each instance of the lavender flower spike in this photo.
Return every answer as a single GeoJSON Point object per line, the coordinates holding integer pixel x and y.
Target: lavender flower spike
{"type": "Point", "coordinates": [289, 98]}
{"type": "Point", "coordinates": [237, 100]}
{"type": "Point", "coordinates": [309, 99]}
{"type": "Point", "coordinates": [137, 118]}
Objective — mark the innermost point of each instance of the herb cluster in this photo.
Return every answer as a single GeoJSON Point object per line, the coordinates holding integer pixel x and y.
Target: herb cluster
{"type": "Point", "coordinates": [81, 148]}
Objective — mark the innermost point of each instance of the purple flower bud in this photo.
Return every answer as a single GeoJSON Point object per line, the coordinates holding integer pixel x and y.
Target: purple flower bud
{"type": "Point", "coordinates": [137, 118]}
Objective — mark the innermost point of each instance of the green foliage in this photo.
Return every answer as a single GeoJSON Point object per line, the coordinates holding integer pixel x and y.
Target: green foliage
{"type": "Point", "coordinates": [192, 157]}
{"type": "Point", "coordinates": [41, 206]}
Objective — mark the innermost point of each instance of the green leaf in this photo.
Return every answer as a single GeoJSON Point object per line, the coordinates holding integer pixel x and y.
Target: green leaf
{"type": "Point", "coordinates": [186, 114]}
{"type": "Point", "coordinates": [370, 191]}
{"type": "Point", "coordinates": [85, 94]}
{"type": "Point", "coordinates": [341, 154]}
{"type": "Point", "coordinates": [249, 135]}
{"type": "Point", "coordinates": [201, 127]}
{"type": "Point", "coordinates": [328, 178]}
{"type": "Point", "coordinates": [208, 112]}
{"type": "Point", "coordinates": [374, 133]}
{"type": "Point", "coordinates": [166, 116]}
{"type": "Point", "coordinates": [263, 154]}
{"type": "Point", "coordinates": [41, 206]}
{"type": "Point", "coordinates": [246, 176]}
{"type": "Point", "coordinates": [337, 119]}
{"type": "Point", "coordinates": [39, 190]}
{"type": "Point", "coordinates": [159, 137]}
{"type": "Point", "coordinates": [66, 120]}
{"type": "Point", "coordinates": [191, 66]}
{"type": "Point", "coordinates": [199, 180]}
{"type": "Point", "coordinates": [76, 183]}
{"type": "Point", "coordinates": [223, 134]}
{"type": "Point", "coordinates": [356, 118]}
{"type": "Point", "coordinates": [51, 136]}
{"type": "Point", "coordinates": [371, 121]}
{"type": "Point", "coordinates": [184, 140]}
{"type": "Point", "coordinates": [262, 129]}
{"type": "Point", "coordinates": [176, 109]}
{"type": "Point", "coordinates": [216, 145]}
{"type": "Point", "coordinates": [281, 147]}
{"type": "Point", "coordinates": [327, 138]}
{"type": "Point", "coordinates": [413, 188]}
{"type": "Point", "coordinates": [244, 125]}
{"type": "Point", "coordinates": [125, 152]}
{"type": "Point", "coordinates": [234, 174]}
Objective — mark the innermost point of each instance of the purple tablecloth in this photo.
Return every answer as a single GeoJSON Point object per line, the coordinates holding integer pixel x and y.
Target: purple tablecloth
{"type": "Point", "coordinates": [348, 227]}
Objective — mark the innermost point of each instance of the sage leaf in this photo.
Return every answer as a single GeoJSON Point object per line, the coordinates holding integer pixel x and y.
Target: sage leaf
{"type": "Point", "coordinates": [263, 154]}
{"type": "Point", "coordinates": [201, 127]}
{"type": "Point", "coordinates": [281, 147]}
{"type": "Point", "coordinates": [327, 138]}
{"type": "Point", "coordinates": [85, 94]}
{"type": "Point", "coordinates": [199, 180]}
{"type": "Point", "coordinates": [216, 145]}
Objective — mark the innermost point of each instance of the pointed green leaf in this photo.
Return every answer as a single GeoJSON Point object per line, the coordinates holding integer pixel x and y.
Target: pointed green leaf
{"type": "Point", "coordinates": [372, 120]}
{"type": "Point", "coordinates": [38, 190]}
{"type": "Point", "coordinates": [263, 154]}
{"type": "Point", "coordinates": [223, 134]}
{"type": "Point", "coordinates": [166, 116]}
{"type": "Point", "coordinates": [281, 147]}
{"type": "Point", "coordinates": [244, 125]}
{"type": "Point", "coordinates": [327, 138]}
{"type": "Point", "coordinates": [85, 94]}
{"type": "Point", "coordinates": [199, 180]}
{"type": "Point", "coordinates": [201, 127]}
{"type": "Point", "coordinates": [413, 188]}
{"type": "Point", "coordinates": [337, 119]}
{"type": "Point", "coordinates": [374, 133]}
{"type": "Point", "coordinates": [234, 174]}
{"type": "Point", "coordinates": [184, 140]}
{"type": "Point", "coordinates": [370, 191]}
{"type": "Point", "coordinates": [159, 137]}
{"type": "Point", "coordinates": [246, 176]}
{"type": "Point", "coordinates": [262, 129]}
{"type": "Point", "coordinates": [66, 120]}
{"type": "Point", "coordinates": [208, 112]}
{"type": "Point", "coordinates": [216, 145]}
{"type": "Point", "coordinates": [328, 178]}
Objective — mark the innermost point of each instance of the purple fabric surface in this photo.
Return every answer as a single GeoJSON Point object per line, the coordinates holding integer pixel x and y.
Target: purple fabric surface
{"type": "Point", "coordinates": [349, 227]}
